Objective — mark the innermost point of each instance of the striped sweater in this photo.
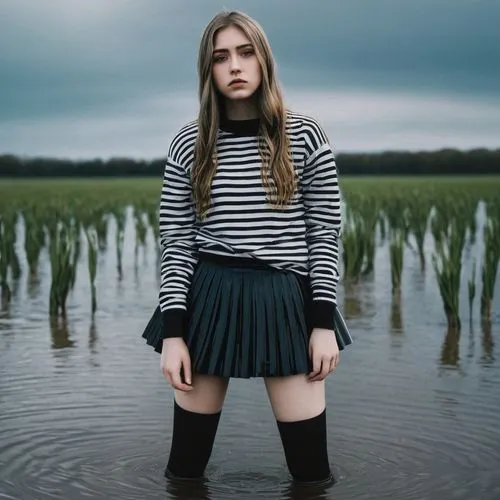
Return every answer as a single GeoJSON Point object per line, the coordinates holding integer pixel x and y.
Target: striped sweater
{"type": "Point", "coordinates": [303, 238]}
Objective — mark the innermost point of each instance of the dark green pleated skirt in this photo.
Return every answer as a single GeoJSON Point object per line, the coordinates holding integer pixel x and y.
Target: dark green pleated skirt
{"type": "Point", "coordinates": [244, 320]}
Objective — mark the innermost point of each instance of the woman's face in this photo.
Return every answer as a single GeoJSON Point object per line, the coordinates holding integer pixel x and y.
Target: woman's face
{"type": "Point", "coordinates": [235, 68]}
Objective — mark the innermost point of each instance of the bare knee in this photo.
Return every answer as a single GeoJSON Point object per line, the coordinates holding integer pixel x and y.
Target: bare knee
{"type": "Point", "coordinates": [207, 396]}
{"type": "Point", "coordinates": [295, 397]}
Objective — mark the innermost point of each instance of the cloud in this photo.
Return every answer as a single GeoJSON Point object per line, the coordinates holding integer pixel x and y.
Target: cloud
{"type": "Point", "coordinates": [354, 121]}
{"type": "Point", "coordinates": [72, 66]}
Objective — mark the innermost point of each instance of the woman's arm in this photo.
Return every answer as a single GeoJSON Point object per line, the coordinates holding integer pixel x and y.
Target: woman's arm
{"type": "Point", "coordinates": [323, 220]}
{"type": "Point", "coordinates": [177, 241]}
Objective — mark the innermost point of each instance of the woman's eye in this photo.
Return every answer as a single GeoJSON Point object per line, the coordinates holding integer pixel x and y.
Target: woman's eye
{"type": "Point", "coordinates": [222, 58]}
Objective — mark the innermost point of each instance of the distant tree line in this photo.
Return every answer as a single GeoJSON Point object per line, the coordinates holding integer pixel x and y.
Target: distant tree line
{"type": "Point", "coordinates": [441, 162]}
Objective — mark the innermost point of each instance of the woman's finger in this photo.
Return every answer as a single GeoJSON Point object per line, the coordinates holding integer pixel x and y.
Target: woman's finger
{"type": "Point", "coordinates": [316, 374]}
{"type": "Point", "coordinates": [325, 368]}
{"type": "Point", "coordinates": [333, 363]}
{"type": "Point", "coordinates": [316, 368]}
{"type": "Point", "coordinates": [337, 360]}
{"type": "Point", "coordinates": [186, 367]}
{"type": "Point", "coordinates": [165, 371]}
{"type": "Point", "coordinates": [177, 382]}
{"type": "Point", "coordinates": [168, 377]}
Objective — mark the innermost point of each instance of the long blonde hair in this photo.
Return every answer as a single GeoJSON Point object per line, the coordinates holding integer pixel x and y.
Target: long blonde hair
{"type": "Point", "coordinates": [277, 173]}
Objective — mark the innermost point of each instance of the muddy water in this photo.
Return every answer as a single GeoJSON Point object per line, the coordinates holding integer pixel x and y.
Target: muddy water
{"type": "Point", "coordinates": [413, 412]}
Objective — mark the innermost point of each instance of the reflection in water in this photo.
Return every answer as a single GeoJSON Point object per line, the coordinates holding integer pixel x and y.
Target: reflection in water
{"type": "Point", "coordinates": [417, 278]}
{"type": "Point", "coordinates": [352, 302]}
{"type": "Point", "coordinates": [137, 280]}
{"type": "Point", "coordinates": [16, 288]}
{"type": "Point", "coordinates": [60, 333]}
{"type": "Point", "coordinates": [93, 336]}
{"type": "Point", "coordinates": [6, 331]}
{"type": "Point", "coordinates": [9, 294]}
{"type": "Point", "coordinates": [5, 302]}
{"type": "Point", "coordinates": [396, 321]}
{"type": "Point", "coordinates": [208, 490]}
{"type": "Point", "coordinates": [120, 289]}
{"type": "Point", "coordinates": [85, 420]}
{"type": "Point", "coordinates": [33, 286]}
{"type": "Point", "coordinates": [396, 315]}
{"type": "Point", "coordinates": [450, 351]}
{"type": "Point", "coordinates": [352, 307]}
{"type": "Point", "coordinates": [487, 342]}
{"type": "Point", "coordinates": [294, 492]}
{"type": "Point", "coordinates": [472, 343]}
{"type": "Point", "coordinates": [195, 489]}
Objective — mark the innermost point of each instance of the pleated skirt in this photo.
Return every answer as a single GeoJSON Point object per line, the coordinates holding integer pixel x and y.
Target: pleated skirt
{"type": "Point", "coordinates": [244, 320]}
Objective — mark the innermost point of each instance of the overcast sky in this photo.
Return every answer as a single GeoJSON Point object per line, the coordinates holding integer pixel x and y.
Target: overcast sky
{"type": "Point", "coordinates": [101, 78]}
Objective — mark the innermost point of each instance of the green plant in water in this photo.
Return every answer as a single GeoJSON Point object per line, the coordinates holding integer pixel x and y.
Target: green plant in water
{"type": "Point", "coordinates": [100, 221]}
{"type": "Point", "coordinates": [152, 217]}
{"type": "Point", "coordinates": [396, 251]}
{"type": "Point", "coordinates": [34, 239]}
{"type": "Point", "coordinates": [141, 230]}
{"type": "Point", "coordinates": [92, 250]}
{"type": "Point", "coordinates": [76, 231]}
{"type": "Point", "coordinates": [354, 246]}
{"type": "Point", "coordinates": [9, 246]}
{"type": "Point", "coordinates": [397, 217]}
{"type": "Point", "coordinates": [418, 218]}
{"type": "Point", "coordinates": [491, 258]}
{"type": "Point", "coordinates": [63, 264]}
{"type": "Point", "coordinates": [369, 212]}
{"type": "Point", "coordinates": [382, 224]}
{"type": "Point", "coordinates": [120, 220]}
{"type": "Point", "coordinates": [4, 263]}
{"type": "Point", "coordinates": [447, 262]}
{"type": "Point", "coordinates": [471, 286]}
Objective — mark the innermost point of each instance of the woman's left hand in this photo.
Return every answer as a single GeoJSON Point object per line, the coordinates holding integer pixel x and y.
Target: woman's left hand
{"type": "Point", "coordinates": [324, 353]}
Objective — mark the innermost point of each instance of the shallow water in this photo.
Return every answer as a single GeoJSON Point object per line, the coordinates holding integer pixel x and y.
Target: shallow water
{"type": "Point", "coordinates": [85, 413]}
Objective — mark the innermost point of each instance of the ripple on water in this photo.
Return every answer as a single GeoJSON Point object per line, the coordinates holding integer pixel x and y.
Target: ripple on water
{"type": "Point", "coordinates": [396, 428]}
{"type": "Point", "coordinates": [87, 441]}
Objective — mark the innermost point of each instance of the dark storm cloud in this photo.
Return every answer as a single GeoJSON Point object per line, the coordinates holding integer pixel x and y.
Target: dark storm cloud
{"type": "Point", "coordinates": [66, 59]}
{"type": "Point", "coordinates": [81, 58]}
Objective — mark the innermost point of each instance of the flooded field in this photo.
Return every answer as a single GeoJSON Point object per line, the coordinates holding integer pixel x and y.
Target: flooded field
{"type": "Point", "coordinates": [413, 408]}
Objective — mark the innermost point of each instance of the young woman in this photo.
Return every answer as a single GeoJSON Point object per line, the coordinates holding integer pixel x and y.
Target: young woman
{"type": "Point", "coordinates": [250, 223]}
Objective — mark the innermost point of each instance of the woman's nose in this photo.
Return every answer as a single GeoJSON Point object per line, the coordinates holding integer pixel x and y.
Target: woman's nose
{"type": "Point", "coordinates": [235, 64]}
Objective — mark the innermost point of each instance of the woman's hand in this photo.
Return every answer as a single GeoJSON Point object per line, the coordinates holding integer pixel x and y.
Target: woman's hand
{"type": "Point", "coordinates": [175, 363]}
{"type": "Point", "coordinates": [324, 353]}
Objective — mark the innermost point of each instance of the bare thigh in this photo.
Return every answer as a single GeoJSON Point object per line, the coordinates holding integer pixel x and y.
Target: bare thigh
{"type": "Point", "coordinates": [295, 398]}
{"type": "Point", "coordinates": [207, 396]}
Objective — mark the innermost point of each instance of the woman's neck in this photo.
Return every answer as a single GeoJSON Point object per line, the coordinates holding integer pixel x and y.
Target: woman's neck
{"type": "Point", "coordinates": [241, 110]}
{"type": "Point", "coordinates": [243, 127]}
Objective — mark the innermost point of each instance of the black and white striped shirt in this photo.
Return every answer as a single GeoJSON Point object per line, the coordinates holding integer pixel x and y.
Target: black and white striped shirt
{"type": "Point", "coordinates": [304, 237]}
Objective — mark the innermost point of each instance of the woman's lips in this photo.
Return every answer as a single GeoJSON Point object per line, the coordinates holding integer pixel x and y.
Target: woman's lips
{"type": "Point", "coordinates": [237, 82]}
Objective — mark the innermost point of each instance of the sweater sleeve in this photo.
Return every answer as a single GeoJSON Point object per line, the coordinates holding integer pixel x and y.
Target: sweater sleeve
{"type": "Point", "coordinates": [177, 241]}
{"type": "Point", "coordinates": [321, 196]}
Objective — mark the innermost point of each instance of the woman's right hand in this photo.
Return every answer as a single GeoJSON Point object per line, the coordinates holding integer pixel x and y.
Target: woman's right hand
{"type": "Point", "coordinates": [174, 359]}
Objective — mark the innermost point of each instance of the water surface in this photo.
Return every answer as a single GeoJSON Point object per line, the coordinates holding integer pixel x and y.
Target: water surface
{"type": "Point", "coordinates": [413, 411]}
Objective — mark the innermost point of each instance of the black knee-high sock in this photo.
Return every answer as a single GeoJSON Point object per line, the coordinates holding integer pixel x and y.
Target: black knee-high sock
{"type": "Point", "coordinates": [192, 442]}
{"type": "Point", "coordinates": [305, 447]}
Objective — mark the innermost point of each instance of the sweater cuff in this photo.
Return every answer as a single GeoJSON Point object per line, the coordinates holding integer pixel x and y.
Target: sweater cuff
{"type": "Point", "coordinates": [323, 314]}
{"type": "Point", "coordinates": [173, 323]}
